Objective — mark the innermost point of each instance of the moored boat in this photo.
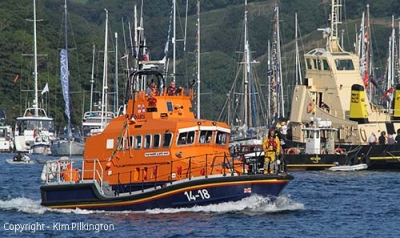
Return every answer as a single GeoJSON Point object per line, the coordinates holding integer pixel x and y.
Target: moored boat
{"type": "Point", "coordinates": [34, 130]}
{"type": "Point", "coordinates": [338, 90]}
{"type": "Point", "coordinates": [349, 168]}
{"type": "Point", "coordinates": [155, 155]}
{"type": "Point", "coordinates": [6, 134]}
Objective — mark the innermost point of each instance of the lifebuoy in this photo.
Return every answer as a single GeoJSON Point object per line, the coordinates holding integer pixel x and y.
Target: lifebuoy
{"type": "Point", "coordinates": [363, 135]}
{"type": "Point", "coordinates": [292, 150]}
{"type": "Point", "coordinates": [338, 151]}
{"type": "Point", "coordinates": [310, 107]}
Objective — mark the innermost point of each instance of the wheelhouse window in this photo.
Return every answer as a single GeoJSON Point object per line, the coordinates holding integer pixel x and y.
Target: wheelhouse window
{"type": "Point", "coordinates": [156, 140]}
{"type": "Point", "coordinates": [325, 65]}
{"type": "Point", "coordinates": [205, 137]}
{"type": "Point", "coordinates": [317, 64]}
{"type": "Point", "coordinates": [138, 142]}
{"type": "Point", "coordinates": [344, 64]}
{"type": "Point", "coordinates": [186, 138]}
{"type": "Point", "coordinates": [167, 139]}
{"type": "Point", "coordinates": [309, 64]}
{"type": "Point", "coordinates": [221, 138]}
{"type": "Point", "coordinates": [147, 141]}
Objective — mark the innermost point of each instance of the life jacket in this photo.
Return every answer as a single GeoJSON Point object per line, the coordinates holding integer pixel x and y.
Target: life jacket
{"type": "Point", "coordinates": [272, 143]}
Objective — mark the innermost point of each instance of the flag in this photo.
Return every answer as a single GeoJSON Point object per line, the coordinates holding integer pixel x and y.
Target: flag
{"type": "Point", "coordinates": [16, 78]}
{"type": "Point", "coordinates": [45, 89]}
{"type": "Point", "coordinates": [388, 92]}
{"type": "Point", "coordinates": [365, 79]}
{"type": "Point", "coordinates": [247, 190]}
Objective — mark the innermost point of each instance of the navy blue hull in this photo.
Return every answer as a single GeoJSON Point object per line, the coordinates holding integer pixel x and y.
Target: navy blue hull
{"type": "Point", "coordinates": [378, 157]}
{"type": "Point", "coordinates": [184, 194]}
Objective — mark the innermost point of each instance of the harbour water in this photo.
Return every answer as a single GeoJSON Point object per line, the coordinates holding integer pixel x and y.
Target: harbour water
{"type": "Point", "coordinates": [314, 204]}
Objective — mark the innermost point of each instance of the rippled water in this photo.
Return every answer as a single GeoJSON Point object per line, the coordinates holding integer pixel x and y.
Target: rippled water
{"type": "Point", "coordinates": [315, 204]}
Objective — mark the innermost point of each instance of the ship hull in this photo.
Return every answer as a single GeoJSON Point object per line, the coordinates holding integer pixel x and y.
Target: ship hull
{"type": "Point", "coordinates": [188, 193]}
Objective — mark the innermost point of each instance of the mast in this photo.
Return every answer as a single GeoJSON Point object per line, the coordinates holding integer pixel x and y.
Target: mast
{"type": "Point", "coordinates": [116, 75]}
{"type": "Point", "coordinates": [269, 71]}
{"type": "Point", "coordinates": [92, 80]}
{"type": "Point", "coordinates": [174, 43]}
{"type": "Point", "coordinates": [299, 80]}
{"type": "Point", "coordinates": [198, 59]}
{"type": "Point", "coordinates": [35, 72]}
{"type": "Point", "coordinates": [67, 73]}
{"type": "Point", "coordinates": [367, 56]}
{"type": "Point", "coordinates": [333, 44]}
{"type": "Point", "coordinates": [279, 108]}
{"type": "Point", "coordinates": [105, 87]}
{"type": "Point", "coordinates": [247, 69]}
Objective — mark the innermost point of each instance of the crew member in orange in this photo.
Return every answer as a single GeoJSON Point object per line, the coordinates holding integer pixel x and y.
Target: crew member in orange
{"type": "Point", "coordinates": [173, 90]}
{"type": "Point", "coordinates": [272, 148]}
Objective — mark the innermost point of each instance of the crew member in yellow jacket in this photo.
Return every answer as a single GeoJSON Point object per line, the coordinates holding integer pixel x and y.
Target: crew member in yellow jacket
{"type": "Point", "coordinates": [272, 148]}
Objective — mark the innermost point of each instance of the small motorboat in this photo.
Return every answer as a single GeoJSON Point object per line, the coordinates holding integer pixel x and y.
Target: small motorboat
{"type": "Point", "coordinates": [24, 160]}
{"type": "Point", "coordinates": [349, 168]}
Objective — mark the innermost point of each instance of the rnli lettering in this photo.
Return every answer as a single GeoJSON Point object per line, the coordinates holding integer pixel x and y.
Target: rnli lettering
{"type": "Point", "coordinates": [199, 194]}
{"type": "Point", "coordinates": [354, 97]}
{"type": "Point", "coordinates": [140, 116]}
{"type": "Point", "coordinates": [315, 160]}
{"type": "Point", "coordinates": [161, 153]}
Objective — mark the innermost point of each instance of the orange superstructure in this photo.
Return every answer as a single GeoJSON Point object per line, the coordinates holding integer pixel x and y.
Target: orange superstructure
{"type": "Point", "coordinates": [158, 138]}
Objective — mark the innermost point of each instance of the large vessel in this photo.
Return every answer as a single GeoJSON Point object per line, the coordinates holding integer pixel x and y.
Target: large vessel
{"type": "Point", "coordinates": [335, 91]}
{"type": "Point", "coordinates": [156, 155]}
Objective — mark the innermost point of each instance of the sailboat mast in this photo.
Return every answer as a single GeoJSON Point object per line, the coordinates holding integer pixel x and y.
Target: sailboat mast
{"type": "Point", "coordinates": [104, 91]}
{"type": "Point", "coordinates": [174, 43]}
{"type": "Point", "coordinates": [269, 70]}
{"type": "Point", "coordinates": [198, 59]}
{"type": "Point", "coordinates": [35, 72]}
{"type": "Point", "coordinates": [92, 79]}
{"type": "Point", "coordinates": [116, 74]}
{"type": "Point", "coordinates": [281, 112]}
{"type": "Point", "coordinates": [246, 71]}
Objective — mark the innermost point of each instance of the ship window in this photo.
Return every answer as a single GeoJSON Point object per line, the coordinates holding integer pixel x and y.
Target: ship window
{"type": "Point", "coordinates": [317, 64]}
{"type": "Point", "coordinates": [156, 140]}
{"type": "Point", "coordinates": [205, 137]}
{"type": "Point", "coordinates": [130, 142]}
{"type": "Point", "coordinates": [309, 64]}
{"type": "Point", "coordinates": [138, 142]}
{"type": "Point", "coordinates": [186, 138]}
{"type": "Point", "coordinates": [147, 141]}
{"type": "Point", "coordinates": [221, 138]}
{"type": "Point", "coordinates": [167, 138]}
{"type": "Point", "coordinates": [344, 64]}
{"type": "Point", "coordinates": [325, 65]}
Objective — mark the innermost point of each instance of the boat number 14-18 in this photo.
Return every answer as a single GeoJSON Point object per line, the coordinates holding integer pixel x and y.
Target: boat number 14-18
{"type": "Point", "coordinates": [199, 194]}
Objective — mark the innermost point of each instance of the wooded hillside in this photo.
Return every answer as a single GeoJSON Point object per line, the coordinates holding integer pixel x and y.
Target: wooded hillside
{"type": "Point", "coordinates": [221, 36]}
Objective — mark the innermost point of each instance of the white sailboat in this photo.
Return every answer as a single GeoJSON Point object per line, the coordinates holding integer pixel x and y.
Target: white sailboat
{"type": "Point", "coordinates": [34, 130]}
{"type": "Point", "coordinates": [93, 121]}
{"type": "Point", "coordinates": [245, 107]}
{"type": "Point", "coordinates": [67, 145]}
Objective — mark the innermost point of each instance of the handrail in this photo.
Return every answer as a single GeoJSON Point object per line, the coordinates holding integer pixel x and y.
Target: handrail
{"type": "Point", "coordinates": [58, 170]}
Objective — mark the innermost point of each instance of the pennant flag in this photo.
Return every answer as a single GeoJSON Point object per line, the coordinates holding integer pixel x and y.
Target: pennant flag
{"type": "Point", "coordinates": [45, 89]}
{"type": "Point", "coordinates": [16, 78]}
